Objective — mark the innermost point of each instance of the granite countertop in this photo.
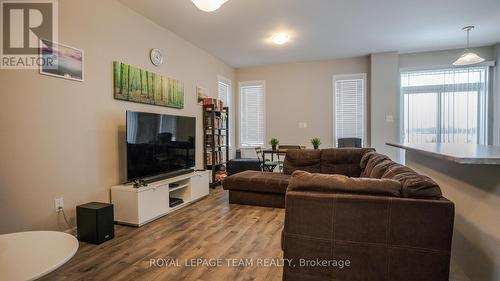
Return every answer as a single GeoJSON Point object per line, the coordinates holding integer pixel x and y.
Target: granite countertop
{"type": "Point", "coordinates": [459, 153]}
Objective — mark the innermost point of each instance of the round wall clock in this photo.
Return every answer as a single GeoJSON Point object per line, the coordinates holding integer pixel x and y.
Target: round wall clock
{"type": "Point", "coordinates": [156, 57]}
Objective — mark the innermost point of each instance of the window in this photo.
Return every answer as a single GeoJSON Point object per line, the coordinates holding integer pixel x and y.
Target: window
{"type": "Point", "coordinates": [225, 91]}
{"type": "Point", "coordinates": [225, 95]}
{"type": "Point", "coordinates": [252, 117]}
{"type": "Point", "coordinates": [445, 105]}
{"type": "Point", "coordinates": [349, 104]}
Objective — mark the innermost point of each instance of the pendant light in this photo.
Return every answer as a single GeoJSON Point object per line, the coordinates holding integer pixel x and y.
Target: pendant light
{"type": "Point", "coordinates": [468, 57]}
{"type": "Point", "coordinates": [209, 5]}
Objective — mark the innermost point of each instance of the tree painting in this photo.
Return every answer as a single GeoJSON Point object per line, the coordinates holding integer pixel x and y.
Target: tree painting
{"type": "Point", "coordinates": [138, 85]}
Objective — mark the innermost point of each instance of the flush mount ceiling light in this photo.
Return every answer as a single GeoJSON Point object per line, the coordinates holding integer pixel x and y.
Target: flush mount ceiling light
{"type": "Point", "coordinates": [280, 38]}
{"type": "Point", "coordinates": [468, 57]}
{"type": "Point", "coordinates": [209, 5]}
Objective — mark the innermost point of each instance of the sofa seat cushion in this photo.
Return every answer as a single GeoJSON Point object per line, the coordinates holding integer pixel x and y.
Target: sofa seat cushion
{"type": "Point", "coordinates": [308, 160]}
{"type": "Point", "coordinates": [257, 182]}
{"type": "Point", "coordinates": [414, 185]}
{"type": "Point", "coordinates": [304, 181]}
{"type": "Point", "coordinates": [343, 161]}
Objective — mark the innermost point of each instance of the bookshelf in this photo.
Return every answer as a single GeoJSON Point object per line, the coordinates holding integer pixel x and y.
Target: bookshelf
{"type": "Point", "coordinates": [216, 140]}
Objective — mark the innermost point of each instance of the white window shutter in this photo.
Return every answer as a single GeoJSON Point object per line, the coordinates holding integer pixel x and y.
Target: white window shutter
{"type": "Point", "coordinates": [349, 108]}
{"type": "Point", "coordinates": [224, 93]}
{"type": "Point", "coordinates": [224, 89]}
{"type": "Point", "coordinates": [252, 116]}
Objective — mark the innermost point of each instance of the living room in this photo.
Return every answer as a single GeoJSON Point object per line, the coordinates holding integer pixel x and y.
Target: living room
{"type": "Point", "coordinates": [418, 82]}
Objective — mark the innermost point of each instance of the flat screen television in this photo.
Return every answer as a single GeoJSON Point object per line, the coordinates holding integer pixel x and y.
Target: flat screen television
{"type": "Point", "coordinates": [159, 145]}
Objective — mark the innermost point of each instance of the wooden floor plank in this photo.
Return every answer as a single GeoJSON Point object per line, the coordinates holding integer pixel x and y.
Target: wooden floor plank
{"type": "Point", "coordinates": [209, 229]}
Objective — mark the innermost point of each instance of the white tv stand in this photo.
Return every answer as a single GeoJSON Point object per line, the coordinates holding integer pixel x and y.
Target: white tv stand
{"type": "Point", "coordinates": [138, 206]}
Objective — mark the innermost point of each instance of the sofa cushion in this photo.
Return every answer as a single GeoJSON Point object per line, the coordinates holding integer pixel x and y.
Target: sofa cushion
{"type": "Point", "coordinates": [374, 159]}
{"type": "Point", "coordinates": [418, 186]}
{"type": "Point", "coordinates": [257, 182]}
{"type": "Point", "coordinates": [302, 159]}
{"type": "Point", "coordinates": [343, 161]}
{"type": "Point", "coordinates": [304, 181]}
{"type": "Point", "coordinates": [378, 170]}
{"type": "Point", "coordinates": [365, 158]}
{"type": "Point", "coordinates": [393, 170]}
{"type": "Point", "coordinates": [414, 185]}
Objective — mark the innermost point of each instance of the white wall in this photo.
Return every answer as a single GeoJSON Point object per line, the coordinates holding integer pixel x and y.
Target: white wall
{"type": "Point", "coordinates": [385, 103]}
{"type": "Point", "coordinates": [301, 92]}
{"type": "Point", "coordinates": [61, 138]}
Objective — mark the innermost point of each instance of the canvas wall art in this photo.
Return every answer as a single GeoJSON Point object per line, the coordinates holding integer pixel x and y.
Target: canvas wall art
{"type": "Point", "coordinates": [138, 85]}
{"type": "Point", "coordinates": [61, 60]}
{"type": "Point", "coordinates": [201, 94]}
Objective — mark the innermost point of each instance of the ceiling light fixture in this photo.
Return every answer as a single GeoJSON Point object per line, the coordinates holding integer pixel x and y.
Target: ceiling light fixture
{"type": "Point", "coordinates": [209, 5]}
{"type": "Point", "coordinates": [280, 38]}
{"type": "Point", "coordinates": [468, 57]}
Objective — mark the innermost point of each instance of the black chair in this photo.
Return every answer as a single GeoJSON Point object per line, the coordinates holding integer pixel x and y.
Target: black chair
{"type": "Point", "coordinates": [349, 142]}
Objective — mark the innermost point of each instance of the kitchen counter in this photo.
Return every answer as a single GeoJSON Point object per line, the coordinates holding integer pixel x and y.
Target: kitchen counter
{"type": "Point", "coordinates": [458, 153]}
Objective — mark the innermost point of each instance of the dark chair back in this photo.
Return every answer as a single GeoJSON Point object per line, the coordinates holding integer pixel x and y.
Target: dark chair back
{"type": "Point", "coordinates": [349, 142]}
{"type": "Point", "coordinates": [258, 151]}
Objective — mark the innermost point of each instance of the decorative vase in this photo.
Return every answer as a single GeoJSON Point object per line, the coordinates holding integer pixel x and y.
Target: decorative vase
{"type": "Point", "coordinates": [316, 147]}
{"type": "Point", "coordinates": [274, 147]}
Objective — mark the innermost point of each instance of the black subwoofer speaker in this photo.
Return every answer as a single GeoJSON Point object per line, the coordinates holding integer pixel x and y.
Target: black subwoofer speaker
{"type": "Point", "coordinates": [95, 222]}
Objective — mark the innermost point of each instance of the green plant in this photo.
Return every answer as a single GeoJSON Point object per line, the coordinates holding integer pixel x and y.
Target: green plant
{"type": "Point", "coordinates": [316, 142]}
{"type": "Point", "coordinates": [274, 142]}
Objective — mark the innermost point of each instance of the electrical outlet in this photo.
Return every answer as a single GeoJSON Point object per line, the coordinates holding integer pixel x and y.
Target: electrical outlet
{"type": "Point", "coordinates": [59, 204]}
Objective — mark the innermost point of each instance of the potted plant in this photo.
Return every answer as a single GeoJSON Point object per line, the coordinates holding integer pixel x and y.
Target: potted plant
{"type": "Point", "coordinates": [274, 142]}
{"type": "Point", "coordinates": [316, 142]}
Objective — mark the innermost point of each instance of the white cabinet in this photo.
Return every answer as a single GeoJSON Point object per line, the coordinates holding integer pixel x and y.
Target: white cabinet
{"type": "Point", "coordinates": [138, 206]}
{"type": "Point", "coordinates": [199, 183]}
{"type": "Point", "coordinates": [152, 202]}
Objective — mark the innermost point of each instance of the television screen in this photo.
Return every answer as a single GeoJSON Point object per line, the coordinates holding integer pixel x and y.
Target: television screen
{"type": "Point", "coordinates": [158, 144]}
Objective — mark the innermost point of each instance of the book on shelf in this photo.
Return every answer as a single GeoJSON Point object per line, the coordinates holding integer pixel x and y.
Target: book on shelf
{"type": "Point", "coordinates": [218, 157]}
{"type": "Point", "coordinates": [219, 122]}
{"type": "Point", "coordinates": [215, 140]}
{"type": "Point", "coordinates": [218, 104]}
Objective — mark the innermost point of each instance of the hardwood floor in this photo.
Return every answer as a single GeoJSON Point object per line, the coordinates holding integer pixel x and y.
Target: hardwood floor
{"type": "Point", "coordinates": [208, 229]}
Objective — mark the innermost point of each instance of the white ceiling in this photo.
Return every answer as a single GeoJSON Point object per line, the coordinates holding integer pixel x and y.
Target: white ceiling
{"type": "Point", "coordinates": [238, 33]}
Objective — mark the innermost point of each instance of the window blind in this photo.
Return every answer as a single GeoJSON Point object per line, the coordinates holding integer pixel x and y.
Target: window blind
{"type": "Point", "coordinates": [225, 97]}
{"type": "Point", "coordinates": [349, 108]}
{"type": "Point", "coordinates": [445, 105]}
{"type": "Point", "coordinates": [224, 93]}
{"type": "Point", "coordinates": [252, 114]}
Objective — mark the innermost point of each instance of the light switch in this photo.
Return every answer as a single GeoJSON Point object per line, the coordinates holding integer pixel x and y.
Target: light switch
{"type": "Point", "coordinates": [389, 118]}
{"type": "Point", "coordinates": [302, 125]}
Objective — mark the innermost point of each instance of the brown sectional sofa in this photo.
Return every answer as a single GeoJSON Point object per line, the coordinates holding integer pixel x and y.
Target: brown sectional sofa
{"type": "Point", "coordinates": [354, 205]}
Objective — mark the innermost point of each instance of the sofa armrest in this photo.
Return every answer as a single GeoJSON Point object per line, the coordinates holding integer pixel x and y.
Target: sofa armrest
{"type": "Point", "coordinates": [384, 238]}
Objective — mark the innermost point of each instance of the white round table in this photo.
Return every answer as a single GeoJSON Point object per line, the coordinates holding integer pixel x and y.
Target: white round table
{"type": "Point", "coordinates": [33, 254]}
